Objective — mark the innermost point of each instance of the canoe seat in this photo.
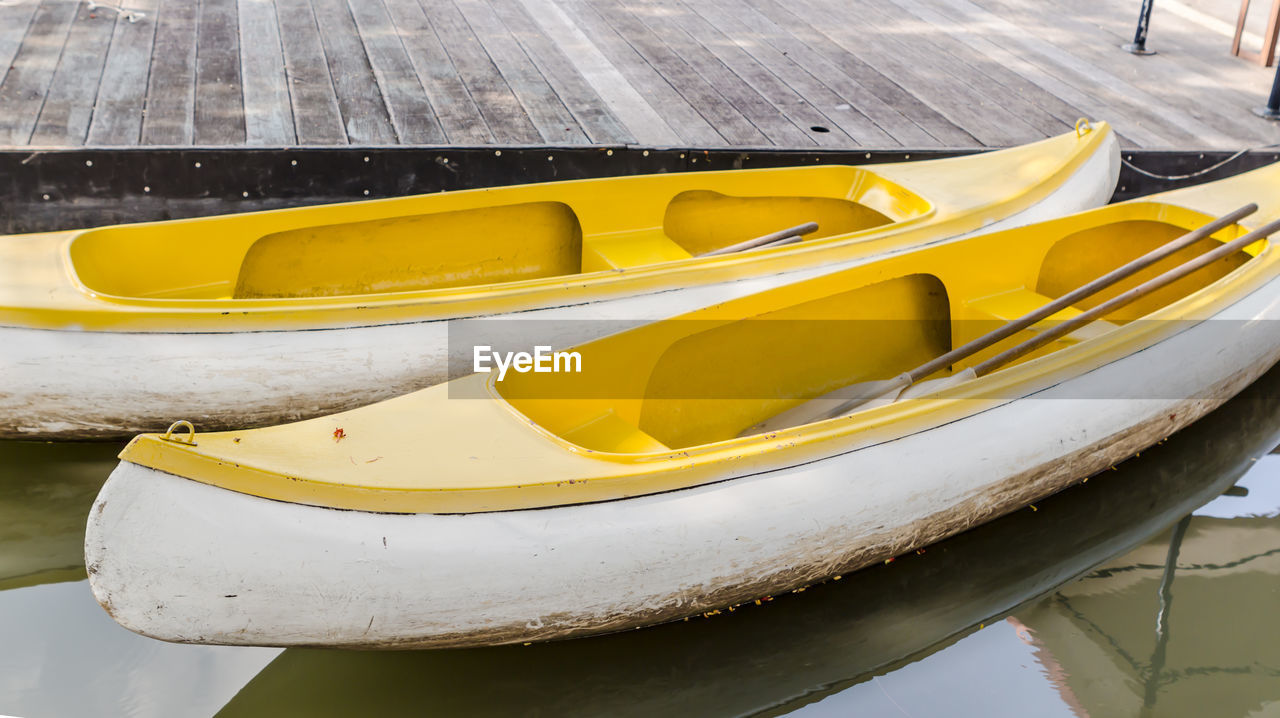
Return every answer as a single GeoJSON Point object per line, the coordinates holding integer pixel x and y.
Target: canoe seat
{"type": "Point", "coordinates": [1013, 304]}
{"type": "Point", "coordinates": [610, 432]}
{"type": "Point", "coordinates": [416, 252]}
{"type": "Point", "coordinates": [629, 249]}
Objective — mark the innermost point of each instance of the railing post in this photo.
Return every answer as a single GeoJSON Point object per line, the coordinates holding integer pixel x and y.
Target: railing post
{"type": "Point", "coordinates": [1272, 110]}
{"type": "Point", "coordinates": [1139, 44]}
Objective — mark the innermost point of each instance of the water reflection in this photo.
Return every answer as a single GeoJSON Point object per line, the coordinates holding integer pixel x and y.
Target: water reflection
{"type": "Point", "coordinates": [1187, 624]}
{"type": "Point", "coordinates": [60, 654]}
{"type": "Point", "coordinates": [827, 650]}
{"type": "Point", "coordinates": [896, 638]}
{"type": "Point", "coordinates": [45, 494]}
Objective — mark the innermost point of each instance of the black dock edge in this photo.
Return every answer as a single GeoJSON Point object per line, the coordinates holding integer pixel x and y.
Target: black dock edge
{"type": "Point", "coordinates": [52, 189]}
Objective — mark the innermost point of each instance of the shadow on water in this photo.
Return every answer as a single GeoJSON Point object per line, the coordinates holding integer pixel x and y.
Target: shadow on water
{"type": "Point", "coordinates": [60, 654]}
{"type": "Point", "coordinates": [45, 494]}
{"type": "Point", "coordinates": [776, 657]}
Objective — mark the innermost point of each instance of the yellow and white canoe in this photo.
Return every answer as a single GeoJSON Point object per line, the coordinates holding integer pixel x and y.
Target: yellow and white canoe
{"type": "Point", "coordinates": [549, 505]}
{"type": "Point", "coordinates": [274, 316]}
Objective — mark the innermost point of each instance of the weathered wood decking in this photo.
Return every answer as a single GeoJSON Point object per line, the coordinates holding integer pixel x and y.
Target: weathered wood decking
{"type": "Point", "coordinates": [793, 73]}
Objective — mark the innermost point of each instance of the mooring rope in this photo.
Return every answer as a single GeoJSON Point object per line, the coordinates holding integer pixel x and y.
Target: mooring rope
{"type": "Point", "coordinates": [1197, 173]}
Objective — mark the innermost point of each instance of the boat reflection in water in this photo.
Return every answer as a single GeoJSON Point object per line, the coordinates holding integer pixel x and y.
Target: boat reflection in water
{"type": "Point", "coordinates": [60, 654]}
{"type": "Point", "coordinates": [1190, 619]}
{"type": "Point", "coordinates": [45, 494]}
{"type": "Point", "coordinates": [829, 641]}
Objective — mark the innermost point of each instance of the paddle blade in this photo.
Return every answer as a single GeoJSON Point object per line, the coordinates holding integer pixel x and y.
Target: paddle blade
{"type": "Point", "coordinates": [932, 386]}
{"type": "Point", "coordinates": [832, 404]}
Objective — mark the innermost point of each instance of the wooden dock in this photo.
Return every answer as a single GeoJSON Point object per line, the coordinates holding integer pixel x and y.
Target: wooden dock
{"type": "Point", "coordinates": [742, 73]}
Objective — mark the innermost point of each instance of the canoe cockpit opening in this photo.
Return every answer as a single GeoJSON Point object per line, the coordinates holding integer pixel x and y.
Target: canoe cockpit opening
{"type": "Point", "coordinates": [702, 220]}
{"type": "Point", "coordinates": [234, 258]}
{"type": "Point", "coordinates": [698, 220]}
{"type": "Point", "coordinates": [1062, 263]}
{"type": "Point", "coordinates": [682, 383]}
{"type": "Point", "coordinates": [433, 251]}
{"type": "Point", "coordinates": [689, 382]}
{"type": "Point", "coordinates": [1090, 253]}
{"type": "Point", "coordinates": [380, 248]}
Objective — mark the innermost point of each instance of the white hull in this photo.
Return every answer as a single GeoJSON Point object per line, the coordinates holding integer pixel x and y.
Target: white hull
{"type": "Point", "coordinates": [78, 384]}
{"type": "Point", "coordinates": [183, 561]}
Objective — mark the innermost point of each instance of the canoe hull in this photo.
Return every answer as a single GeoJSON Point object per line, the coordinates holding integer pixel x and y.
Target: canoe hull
{"type": "Point", "coordinates": [182, 561]}
{"type": "Point", "coordinates": [114, 385]}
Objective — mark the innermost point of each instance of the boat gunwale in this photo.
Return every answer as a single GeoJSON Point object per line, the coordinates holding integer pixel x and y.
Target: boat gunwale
{"type": "Point", "coordinates": [115, 310]}
{"type": "Point", "coordinates": [746, 456]}
{"type": "Point", "coordinates": [1033, 483]}
{"type": "Point", "coordinates": [1016, 382]}
{"type": "Point", "coordinates": [462, 293]}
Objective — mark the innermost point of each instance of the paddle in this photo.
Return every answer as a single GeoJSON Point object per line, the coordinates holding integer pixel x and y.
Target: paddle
{"type": "Point", "coordinates": [855, 395]}
{"type": "Point", "coordinates": [1126, 298]}
{"type": "Point", "coordinates": [774, 239]}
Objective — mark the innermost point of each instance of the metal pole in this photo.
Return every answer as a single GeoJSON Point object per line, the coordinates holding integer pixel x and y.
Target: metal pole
{"type": "Point", "coordinates": [1139, 44]}
{"type": "Point", "coordinates": [1272, 110]}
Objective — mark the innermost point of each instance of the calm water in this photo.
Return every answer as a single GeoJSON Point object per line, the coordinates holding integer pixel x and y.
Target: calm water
{"type": "Point", "coordinates": [1104, 601]}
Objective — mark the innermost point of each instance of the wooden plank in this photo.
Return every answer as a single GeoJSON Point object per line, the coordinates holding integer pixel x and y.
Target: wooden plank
{"type": "Point", "coordinates": [268, 116]}
{"type": "Point", "coordinates": [624, 101]}
{"type": "Point", "coordinates": [1192, 60]}
{"type": "Point", "coordinates": [778, 129]}
{"type": "Point", "coordinates": [543, 106]}
{"type": "Point", "coordinates": [219, 108]}
{"type": "Point", "coordinates": [1067, 76]}
{"type": "Point", "coordinates": [834, 110]}
{"type": "Point", "coordinates": [592, 113]}
{"type": "Point", "coordinates": [411, 112]}
{"type": "Point", "coordinates": [457, 113]}
{"type": "Point", "coordinates": [122, 93]}
{"type": "Point", "coordinates": [1030, 103]}
{"type": "Point", "coordinates": [653, 88]}
{"type": "Point", "coordinates": [1189, 38]}
{"type": "Point", "coordinates": [723, 42]}
{"type": "Point", "coordinates": [935, 82]}
{"type": "Point", "coordinates": [171, 86]}
{"type": "Point", "coordinates": [703, 72]}
{"type": "Point", "coordinates": [866, 89]}
{"type": "Point", "coordinates": [364, 114]}
{"type": "Point", "coordinates": [719, 113]}
{"type": "Point", "coordinates": [317, 120]}
{"type": "Point", "coordinates": [23, 90]}
{"type": "Point", "coordinates": [1090, 104]}
{"type": "Point", "coordinates": [1197, 38]}
{"type": "Point", "coordinates": [1173, 119]}
{"type": "Point", "coordinates": [497, 104]}
{"type": "Point", "coordinates": [15, 18]}
{"type": "Point", "coordinates": [1036, 105]}
{"type": "Point", "coordinates": [69, 101]}
{"type": "Point", "coordinates": [1208, 97]}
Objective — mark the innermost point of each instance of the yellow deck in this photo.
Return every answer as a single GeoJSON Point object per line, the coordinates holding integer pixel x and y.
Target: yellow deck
{"type": "Point", "coordinates": [635, 424]}
{"type": "Point", "coordinates": [506, 249]}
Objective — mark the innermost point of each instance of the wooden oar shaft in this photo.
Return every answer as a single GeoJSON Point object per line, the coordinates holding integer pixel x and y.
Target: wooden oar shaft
{"type": "Point", "coordinates": [1076, 295]}
{"type": "Point", "coordinates": [855, 395]}
{"type": "Point", "coordinates": [796, 231]}
{"type": "Point", "coordinates": [1126, 298]}
{"type": "Point", "coordinates": [781, 242]}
